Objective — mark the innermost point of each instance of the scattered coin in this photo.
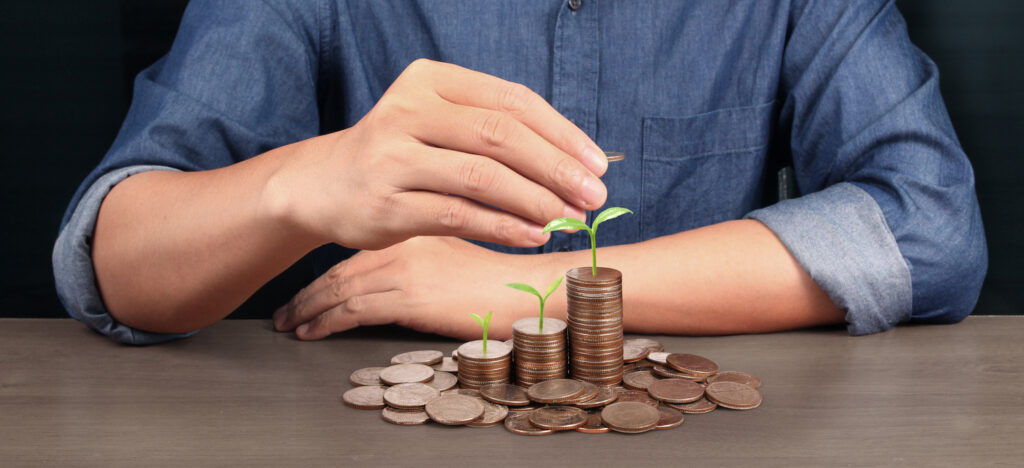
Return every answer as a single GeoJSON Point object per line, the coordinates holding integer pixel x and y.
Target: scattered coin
{"type": "Point", "coordinates": [404, 417]}
{"type": "Point", "coordinates": [519, 423]}
{"type": "Point", "coordinates": [613, 156]}
{"type": "Point", "coordinates": [738, 377]}
{"type": "Point", "coordinates": [633, 352]}
{"type": "Point", "coordinates": [605, 395]}
{"type": "Point", "coordinates": [454, 409]}
{"type": "Point", "coordinates": [493, 415]}
{"type": "Point", "coordinates": [648, 343]}
{"type": "Point", "coordinates": [692, 364]}
{"type": "Point", "coordinates": [589, 392]}
{"type": "Point", "coordinates": [733, 395]}
{"type": "Point", "coordinates": [462, 391]}
{"type": "Point", "coordinates": [555, 390]}
{"type": "Point", "coordinates": [505, 394]}
{"type": "Point", "coordinates": [406, 373]}
{"type": "Point", "coordinates": [669, 418]}
{"type": "Point", "coordinates": [638, 396]}
{"type": "Point", "coordinates": [530, 407]}
{"type": "Point", "coordinates": [670, 373]}
{"type": "Point", "coordinates": [410, 395]}
{"type": "Point", "coordinates": [365, 397]}
{"type": "Point", "coordinates": [443, 381]}
{"type": "Point", "coordinates": [658, 357]}
{"type": "Point", "coordinates": [427, 357]}
{"type": "Point", "coordinates": [558, 418]}
{"type": "Point", "coordinates": [594, 424]}
{"type": "Point", "coordinates": [675, 391]}
{"type": "Point", "coordinates": [447, 364]}
{"type": "Point", "coordinates": [630, 417]}
{"type": "Point", "coordinates": [366, 376]}
{"type": "Point", "coordinates": [700, 406]}
{"type": "Point", "coordinates": [639, 380]}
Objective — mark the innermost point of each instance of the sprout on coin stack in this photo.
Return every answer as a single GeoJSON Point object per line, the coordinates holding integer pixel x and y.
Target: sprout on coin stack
{"type": "Point", "coordinates": [539, 350]}
{"type": "Point", "coordinates": [479, 365]}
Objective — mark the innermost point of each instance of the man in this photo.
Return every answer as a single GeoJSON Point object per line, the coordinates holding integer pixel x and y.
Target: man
{"type": "Point", "coordinates": [273, 128]}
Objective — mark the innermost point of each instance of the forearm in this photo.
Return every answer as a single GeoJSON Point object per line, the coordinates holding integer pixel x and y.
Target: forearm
{"type": "Point", "coordinates": [176, 252]}
{"type": "Point", "coordinates": [732, 277]}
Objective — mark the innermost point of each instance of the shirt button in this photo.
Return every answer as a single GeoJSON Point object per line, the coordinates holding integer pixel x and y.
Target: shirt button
{"type": "Point", "coordinates": [575, 4]}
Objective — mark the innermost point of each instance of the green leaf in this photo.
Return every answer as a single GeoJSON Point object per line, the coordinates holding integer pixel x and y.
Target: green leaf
{"type": "Point", "coordinates": [524, 288]}
{"type": "Point", "coordinates": [610, 213]}
{"type": "Point", "coordinates": [478, 319]}
{"type": "Point", "coordinates": [562, 224]}
{"type": "Point", "coordinates": [553, 286]}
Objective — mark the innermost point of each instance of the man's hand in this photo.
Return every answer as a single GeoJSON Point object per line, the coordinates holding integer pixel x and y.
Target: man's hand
{"type": "Point", "coordinates": [446, 151]}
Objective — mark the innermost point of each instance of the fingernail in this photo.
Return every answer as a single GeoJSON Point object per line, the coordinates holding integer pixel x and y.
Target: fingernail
{"type": "Point", "coordinates": [595, 160]}
{"type": "Point", "coordinates": [592, 191]}
{"type": "Point", "coordinates": [536, 236]}
{"type": "Point", "coordinates": [573, 212]}
{"type": "Point", "coordinates": [301, 331]}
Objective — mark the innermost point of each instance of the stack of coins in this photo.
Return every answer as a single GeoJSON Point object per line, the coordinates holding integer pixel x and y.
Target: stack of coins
{"type": "Point", "coordinates": [477, 368]}
{"type": "Point", "coordinates": [595, 324]}
{"type": "Point", "coordinates": [540, 352]}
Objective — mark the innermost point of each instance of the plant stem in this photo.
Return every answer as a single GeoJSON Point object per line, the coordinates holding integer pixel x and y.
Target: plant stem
{"type": "Point", "coordinates": [485, 341]}
{"type": "Point", "coordinates": [593, 252]}
{"type": "Point", "coordinates": [540, 324]}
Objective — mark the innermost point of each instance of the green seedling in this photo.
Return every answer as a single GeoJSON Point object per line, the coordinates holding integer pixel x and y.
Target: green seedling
{"type": "Point", "coordinates": [543, 299]}
{"type": "Point", "coordinates": [562, 224]}
{"type": "Point", "coordinates": [484, 322]}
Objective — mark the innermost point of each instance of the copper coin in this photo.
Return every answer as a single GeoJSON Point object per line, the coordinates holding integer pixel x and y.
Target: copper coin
{"type": "Point", "coordinates": [410, 395]}
{"type": "Point", "coordinates": [406, 373]}
{"type": "Point", "coordinates": [594, 424]}
{"type": "Point", "coordinates": [632, 352]}
{"type": "Point", "coordinates": [733, 395]}
{"type": "Point", "coordinates": [426, 357]}
{"type": "Point", "coordinates": [613, 156]}
{"type": "Point", "coordinates": [692, 364]}
{"type": "Point", "coordinates": [447, 364]}
{"type": "Point", "coordinates": [637, 396]}
{"type": "Point", "coordinates": [669, 418]}
{"type": "Point", "coordinates": [648, 343]}
{"type": "Point", "coordinates": [658, 357]}
{"type": "Point", "coordinates": [558, 418]}
{"type": "Point", "coordinates": [505, 394]}
{"type": "Point", "coordinates": [589, 391]}
{"type": "Point", "coordinates": [530, 407]}
{"type": "Point", "coordinates": [738, 377]}
{"type": "Point", "coordinates": [454, 409]}
{"type": "Point", "coordinates": [630, 417]}
{"type": "Point", "coordinates": [493, 415]}
{"type": "Point", "coordinates": [639, 380]}
{"type": "Point", "coordinates": [462, 391]}
{"type": "Point", "coordinates": [700, 406]}
{"type": "Point", "coordinates": [366, 376]}
{"type": "Point", "coordinates": [675, 391]}
{"type": "Point", "coordinates": [605, 395]}
{"type": "Point", "coordinates": [474, 350]}
{"type": "Point", "coordinates": [404, 417]}
{"type": "Point", "coordinates": [670, 373]}
{"type": "Point", "coordinates": [555, 390]}
{"type": "Point", "coordinates": [365, 397]}
{"type": "Point", "coordinates": [519, 423]}
{"type": "Point", "coordinates": [443, 381]}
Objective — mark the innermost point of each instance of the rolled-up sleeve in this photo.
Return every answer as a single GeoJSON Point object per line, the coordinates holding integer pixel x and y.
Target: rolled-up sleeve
{"type": "Point", "coordinates": [236, 83]}
{"type": "Point", "coordinates": [889, 225]}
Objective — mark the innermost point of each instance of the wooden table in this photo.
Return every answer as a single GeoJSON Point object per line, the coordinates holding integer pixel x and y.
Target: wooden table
{"type": "Point", "coordinates": [239, 394]}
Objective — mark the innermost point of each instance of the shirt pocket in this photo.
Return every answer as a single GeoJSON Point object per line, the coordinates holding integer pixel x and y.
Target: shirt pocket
{"type": "Point", "coordinates": [703, 169]}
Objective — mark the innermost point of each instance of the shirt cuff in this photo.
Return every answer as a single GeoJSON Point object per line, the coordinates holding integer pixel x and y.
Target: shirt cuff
{"type": "Point", "coordinates": [73, 269]}
{"type": "Point", "coordinates": [840, 237]}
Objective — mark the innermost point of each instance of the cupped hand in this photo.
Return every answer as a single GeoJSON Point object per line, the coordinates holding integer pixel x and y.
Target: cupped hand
{"type": "Point", "coordinates": [446, 151]}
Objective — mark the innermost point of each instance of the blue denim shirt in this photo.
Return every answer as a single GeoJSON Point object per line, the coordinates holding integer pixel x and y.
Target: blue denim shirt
{"type": "Point", "coordinates": [701, 95]}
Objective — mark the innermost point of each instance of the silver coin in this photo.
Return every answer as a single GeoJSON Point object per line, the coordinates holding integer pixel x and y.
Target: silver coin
{"type": "Point", "coordinates": [404, 417]}
{"type": "Point", "coordinates": [410, 395]}
{"type": "Point", "coordinates": [443, 381]}
{"type": "Point", "coordinates": [366, 376]}
{"type": "Point", "coordinates": [426, 357]}
{"type": "Point", "coordinates": [454, 409]}
{"type": "Point", "coordinates": [406, 373]}
{"type": "Point", "coordinates": [366, 397]}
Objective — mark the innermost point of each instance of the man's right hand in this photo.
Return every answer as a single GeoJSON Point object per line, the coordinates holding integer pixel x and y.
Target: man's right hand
{"type": "Point", "coordinates": [446, 151]}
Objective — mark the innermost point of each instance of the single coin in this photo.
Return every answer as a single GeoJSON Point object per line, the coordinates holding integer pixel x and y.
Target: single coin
{"type": "Point", "coordinates": [493, 415]}
{"type": "Point", "coordinates": [455, 355]}
{"type": "Point", "coordinates": [733, 395]}
{"type": "Point", "coordinates": [404, 417]}
{"type": "Point", "coordinates": [637, 396]}
{"type": "Point", "coordinates": [454, 409]}
{"type": "Point", "coordinates": [630, 417]}
{"type": "Point", "coordinates": [670, 418]}
{"type": "Point", "coordinates": [605, 395]}
{"type": "Point", "coordinates": [505, 394]}
{"type": "Point", "coordinates": [410, 395]}
{"type": "Point", "coordinates": [692, 364]}
{"type": "Point", "coordinates": [365, 397]}
{"type": "Point", "coordinates": [406, 373]}
{"type": "Point", "coordinates": [530, 407]}
{"type": "Point", "coordinates": [613, 156]}
{"type": "Point", "coordinates": [653, 345]}
{"type": "Point", "coordinates": [700, 406]}
{"type": "Point", "coordinates": [519, 423]}
{"type": "Point", "coordinates": [426, 357]}
{"type": "Point", "coordinates": [447, 364]}
{"type": "Point", "coordinates": [555, 390]}
{"type": "Point", "coordinates": [670, 373]}
{"type": "Point", "coordinates": [658, 357]}
{"type": "Point", "coordinates": [675, 391]}
{"type": "Point", "coordinates": [739, 377]}
{"type": "Point", "coordinates": [366, 376]}
{"type": "Point", "coordinates": [558, 418]}
{"type": "Point", "coordinates": [594, 424]}
{"type": "Point", "coordinates": [589, 391]}
{"type": "Point", "coordinates": [633, 352]}
{"type": "Point", "coordinates": [462, 391]}
{"type": "Point", "coordinates": [639, 380]}
{"type": "Point", "coordinates": [443, 381]}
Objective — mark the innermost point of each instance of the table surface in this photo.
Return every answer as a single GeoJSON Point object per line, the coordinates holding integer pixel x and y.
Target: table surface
{"type": "Point", "coordinates": [240, 394]}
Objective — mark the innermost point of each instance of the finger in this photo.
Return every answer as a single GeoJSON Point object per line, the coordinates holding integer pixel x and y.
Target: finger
{"type": "Point", "coordinates": [433, 214]}
{"type": "Point", "coordinates": [370, 309]}
{"type": "Point", "coordinates": [487, 181]}
{"type": "Point", "coordinates": [342, 281]}
{"type": "Point", "coordinates": [503, 138]}
{"type": "Point", "coordinates": [464, 86]}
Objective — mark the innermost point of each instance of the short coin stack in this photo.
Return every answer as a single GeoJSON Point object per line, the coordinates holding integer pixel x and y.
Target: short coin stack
{"type": "Point", "coordinates": [539, 352]}
{"type": "Point", "coordinates": [595, 324]}
{"type": "Point", "coordinates": [477, 368]}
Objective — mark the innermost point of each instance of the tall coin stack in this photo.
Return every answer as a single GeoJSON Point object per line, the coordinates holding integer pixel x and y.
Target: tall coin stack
{"type": "Point", "coordinates": [477, 369]}
{"type": "Point", "coordinates": [540, 353]}
{"type": "Point", "coordinates": [595, 324]}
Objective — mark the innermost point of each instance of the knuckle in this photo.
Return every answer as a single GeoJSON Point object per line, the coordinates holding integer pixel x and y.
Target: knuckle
{"type": "Point", "coordinates": [454, 215]}
{"type": "Point", "coordinates": [515, 99]}
{"type": "Point", "coordinates": [477, 176]}
{"type": "Point", "coordinates": [504, 230]}
{"type": "Point", "coordinates": [339, 287]}
{"type": "Point", "coordinates": [494, 129]}
{"type": "Point", "coordinates": [565, 173]}
{"type": "Point", "coordinates": [355, 305]}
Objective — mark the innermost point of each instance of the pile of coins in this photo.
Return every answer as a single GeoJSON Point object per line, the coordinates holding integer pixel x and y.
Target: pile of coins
{"type": "Point", "coordinates": [477, 368]}
{"type": "Point", "coordinates": [595, 324]}
{"type": "Point", "coordinates": [539, 352]}
{"type": "Point", "coordinates": [410, 392]}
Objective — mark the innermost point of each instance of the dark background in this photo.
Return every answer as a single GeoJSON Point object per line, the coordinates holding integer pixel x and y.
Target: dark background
{"type": "Point", "coordinates": [66, 69]}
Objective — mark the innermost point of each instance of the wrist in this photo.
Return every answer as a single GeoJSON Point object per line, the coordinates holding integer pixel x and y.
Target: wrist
{"type": "Point", "coordinates": [282, 203]}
